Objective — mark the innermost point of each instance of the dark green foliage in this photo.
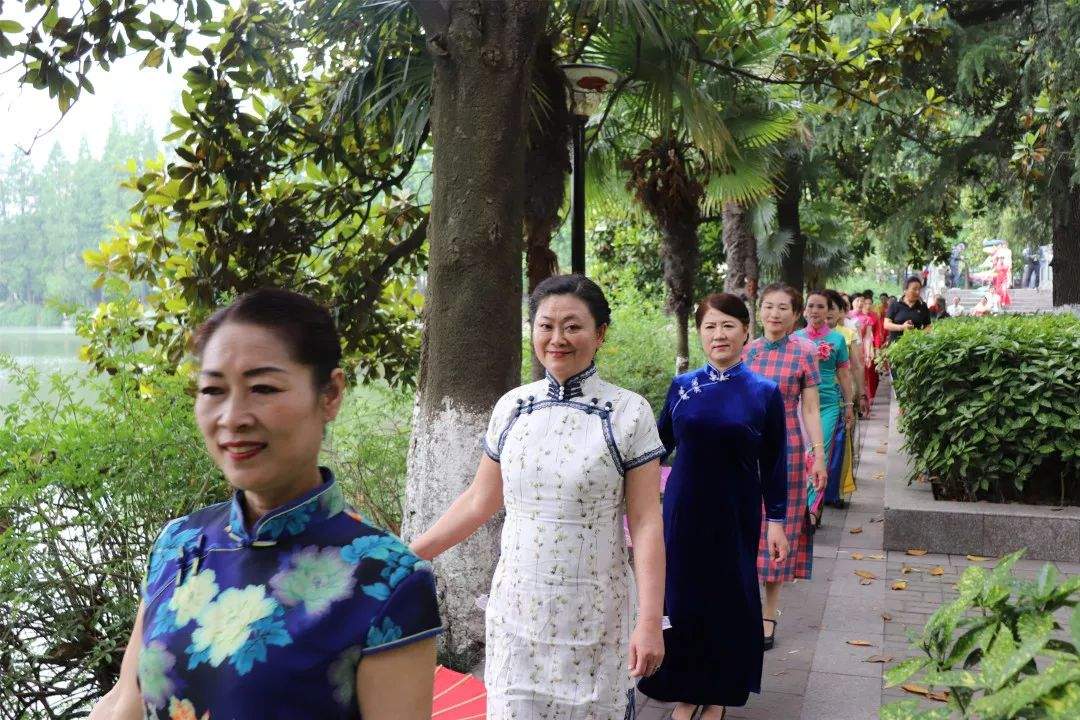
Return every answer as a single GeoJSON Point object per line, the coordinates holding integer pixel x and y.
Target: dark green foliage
{"type": "Point", "coordinates": [999, 650]}
{"type": "Point", "coordinates": [85, 487]}
{"type": "Point", "coordinates": [991, 409]}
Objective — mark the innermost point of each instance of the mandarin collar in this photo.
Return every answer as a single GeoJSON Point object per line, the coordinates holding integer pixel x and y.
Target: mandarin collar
{"type": "Point", "coordinates": [717, 375]}
{"type": "Point", "coordinates": [774, 344]}
{"type": "Point", "coordinates": [815, 334]}
{"type": "Point", "coordinates": [292, 518]}
{"type": "Point", "coordinates": [574, 387]}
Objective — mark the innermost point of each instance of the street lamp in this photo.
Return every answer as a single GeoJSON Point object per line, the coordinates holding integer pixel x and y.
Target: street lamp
{"type": "Point", "coordinates": [588, 85]}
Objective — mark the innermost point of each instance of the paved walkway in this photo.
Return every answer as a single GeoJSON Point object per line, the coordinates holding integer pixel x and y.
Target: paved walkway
{"type": "Point", "coordinates": [814, 673]}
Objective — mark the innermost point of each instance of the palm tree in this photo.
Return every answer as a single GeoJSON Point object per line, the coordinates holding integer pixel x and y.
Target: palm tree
{"type": "Point", "coordinates": [698, 139]}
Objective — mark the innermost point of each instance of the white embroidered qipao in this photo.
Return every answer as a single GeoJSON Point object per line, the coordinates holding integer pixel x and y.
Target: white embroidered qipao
{"type": "Point", "coordinates": [559, 614]}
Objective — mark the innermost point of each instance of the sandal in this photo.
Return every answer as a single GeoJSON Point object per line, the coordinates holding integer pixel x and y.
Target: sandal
{"type": "Point", "coordinates": [770, 640]}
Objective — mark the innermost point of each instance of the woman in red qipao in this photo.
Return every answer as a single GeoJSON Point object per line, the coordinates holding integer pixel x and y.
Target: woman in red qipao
{"type": "Point", "coordinates": [790, 362]}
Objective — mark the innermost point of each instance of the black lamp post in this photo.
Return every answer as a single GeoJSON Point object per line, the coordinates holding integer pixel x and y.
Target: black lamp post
{"type": "Point", "coordinates": [588, 85]}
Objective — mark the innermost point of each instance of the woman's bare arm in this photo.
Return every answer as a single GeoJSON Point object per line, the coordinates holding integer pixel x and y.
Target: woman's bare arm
{"type": "Point", "coordinates": [124, 701]}
{"type": "Point", "coordinates": [474, 507]}
{"type": "Point", "coordinates": [397, 684]}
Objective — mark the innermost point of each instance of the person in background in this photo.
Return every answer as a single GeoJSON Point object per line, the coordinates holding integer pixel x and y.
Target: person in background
{"type": "Point", "coordinates": [956, 308]}
{"type": "Point", "coordinates": [790, 362]}
{"type": "Point", "coordinates": [981, 308]}
{"type": "Point", "coordinates": [869, 334]}
{"type": "Point", "coordinates": [836, 388]}
{"type": "Point", "coordinates": [843, 465]}
{"type": "Point", "coordinates": [939, 311]}
{"type": "Point", "coordinates": [726, 426]}
{"type": "Point", "coordinates": [908, 313]}
{"type": "Point", "coordinates": [281, 602]}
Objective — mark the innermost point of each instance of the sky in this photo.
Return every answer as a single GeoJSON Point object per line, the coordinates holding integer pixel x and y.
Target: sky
{"type": "Point", "coordinates": [124, 92]}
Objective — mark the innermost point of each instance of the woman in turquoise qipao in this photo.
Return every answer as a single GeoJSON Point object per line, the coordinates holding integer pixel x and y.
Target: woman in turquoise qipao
{"type": "Point", "coordinates": [282, 602]}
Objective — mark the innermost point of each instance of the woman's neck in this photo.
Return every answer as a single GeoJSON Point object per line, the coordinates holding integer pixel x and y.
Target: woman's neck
{"type": "Point", "coordinates": [258, 504]}
{"type": "Point", "coordinates": [562, 377]}
{"type": "Point", "coordinates": [726, 363]}
{"type": "Point", "coordinates": [774, 335]}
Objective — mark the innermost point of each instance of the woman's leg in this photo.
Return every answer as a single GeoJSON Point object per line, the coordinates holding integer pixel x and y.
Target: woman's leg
{"type": "Point", "coordinates": [771, 608]}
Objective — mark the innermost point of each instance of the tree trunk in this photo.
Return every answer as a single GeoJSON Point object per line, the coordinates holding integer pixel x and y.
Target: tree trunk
{"type": "Point", "coordinates": [740, 245]}
{"type": "Point", "coordinates": [1065, 231]}
{"type": "Point", "coordinates": [547, 163]}
{"type": "Point", "coordinates": [471, 344]}
{"type": "Point", "coordinates": [787, 215]}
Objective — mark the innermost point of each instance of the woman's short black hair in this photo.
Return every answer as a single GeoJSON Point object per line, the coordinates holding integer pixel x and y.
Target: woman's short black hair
{"type": "Point", "coordinates": [837, 298]}
{"type": "Point", "coordinates": [911, 279]}
{"type": "Point", "coordinates": [580, 287]}
{"type": "Point", "coordinates": [823, 292]}
{"type": "Point", "coordinates": [302, 324]}
{"type": "Point", "coordinates": [726, 303]}
{"type": "Point", "coordinates": [780, 287]}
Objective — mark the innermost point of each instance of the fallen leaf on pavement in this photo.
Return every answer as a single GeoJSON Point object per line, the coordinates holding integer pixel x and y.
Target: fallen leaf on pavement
{"type": "Point", "coordinates": [977, 558]}
{"type": "Point", "coordinates": [855, 530]}
{"type": "Point", "coordinates": [857, 556]}
{"type": "Point", "coordinates": [876, 557]}
{"type": "Point", "coordinates": [860, 643]}
{"type": "Point", "coordinates": [879, 659]}
{"type": "Point", "coordinates": [905, 568]}
{"type": "Point", "coordinates": [899, 585]}
{"type": "Point", "coordinates": [917, 552]}
{"type": "Point", "coordinates": [942, 696]}
{"type": "Point", "coordinates": [937, 571]}
{"type": "Point", "coordinates": [915, 689]}
{"type": "Point", "coordinates": [866, 575]}
{"type": "Point", "coordinates": [886, 617]}
{"type": "Point", "coordinates": [881, 450]}
{"type": "Point", "coordinates": [864, 581]}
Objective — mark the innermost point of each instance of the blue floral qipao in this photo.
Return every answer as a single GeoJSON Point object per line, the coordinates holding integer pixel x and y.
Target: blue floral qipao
{"type": "Point", "coordinates": [728, 430]}
{"type": "Point", "coordinates": [273, 624]}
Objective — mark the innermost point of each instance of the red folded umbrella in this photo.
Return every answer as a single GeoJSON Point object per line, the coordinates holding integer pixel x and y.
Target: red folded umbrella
{"type": "Point", "coordinates": [458, 696]}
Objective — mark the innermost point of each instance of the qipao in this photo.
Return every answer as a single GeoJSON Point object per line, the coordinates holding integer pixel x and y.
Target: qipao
{"type": "Point", "coordinates": [273, 622]}
{"type": "Point", "coordinates": [559, 613]}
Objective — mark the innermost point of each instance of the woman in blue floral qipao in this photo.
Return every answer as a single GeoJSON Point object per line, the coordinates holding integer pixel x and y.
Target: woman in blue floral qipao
{"type": "Point", "coordinates": [281, 603]}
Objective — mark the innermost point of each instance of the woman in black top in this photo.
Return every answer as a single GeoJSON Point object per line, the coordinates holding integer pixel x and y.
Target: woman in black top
{"type": "Point", "coordinates": [908, 312]}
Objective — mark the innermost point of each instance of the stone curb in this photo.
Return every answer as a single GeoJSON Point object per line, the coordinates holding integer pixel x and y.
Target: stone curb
{"type": "Point", "coordinates": [913, 519]}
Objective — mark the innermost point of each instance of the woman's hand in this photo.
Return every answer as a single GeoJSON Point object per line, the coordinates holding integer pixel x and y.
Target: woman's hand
{"type": "Point", "coordinates": [819, 474]}
{"type": "Point", "coordinates": [778, 544]}
{"type": "Point", "coordinates": [849, 416]}
{"type": "Point", "coordinates": [646, 647]}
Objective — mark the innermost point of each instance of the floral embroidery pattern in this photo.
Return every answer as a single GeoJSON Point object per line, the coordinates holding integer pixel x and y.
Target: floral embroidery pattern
{"type": "Point", "coordinates": [184, 710]}
{"type": "Point", "coordinates": [168, 545]}
{"type": "Point", "coordinates": [290, 523]}
{"type": "Point", "coordinates": [191, 598]}
{"type": "Point", "coordinates": [317, 578]}
{"type": "Point", "coordinates": [399, 562]}
{"type": "Point", "coordinates": [343, 675]}
{"type": "Point", "coordinates": [824, 351]}
{"type": "Point", "coordinates": [239, 625]}
{"type": "Point", "coordinates": [155, 662]}
{"type": "Point", "coordinates": [387, 632]}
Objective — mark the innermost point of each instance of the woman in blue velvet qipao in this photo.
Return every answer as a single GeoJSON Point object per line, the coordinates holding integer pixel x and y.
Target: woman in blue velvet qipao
{"type": "Point", "coordinates": [726, 427]}
{"type": "Point", "coordinates": [283, 602]}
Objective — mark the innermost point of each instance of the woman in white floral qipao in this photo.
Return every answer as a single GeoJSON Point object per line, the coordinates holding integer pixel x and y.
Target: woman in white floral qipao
{"type": "Point", "coordinates": [563, 455]}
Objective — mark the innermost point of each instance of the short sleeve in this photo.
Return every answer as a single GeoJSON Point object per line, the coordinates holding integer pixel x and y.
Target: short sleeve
{"type": "Point", "coordinates": [643, 439]}
{"type": "Point", "coordinates": [411, 613]}
{"type": "Point", "coordinates": [891, 312]}
{"type": "Point", "coordinates": [810, 373]}
{"type": "Point", "coordinates": [496, 430]}
{"type": "Point", "coordinates": [843, 359]}
{"type": "Point", "coordinates": [174, 541]}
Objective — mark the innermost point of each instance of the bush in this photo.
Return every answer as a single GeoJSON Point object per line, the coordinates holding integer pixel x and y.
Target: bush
{"type": "Point", "coordinates": [85, 487]}
{"type": "Point", "coordinates": [991, 409]}
{"type": "Point", "coordinates": [996, 651]}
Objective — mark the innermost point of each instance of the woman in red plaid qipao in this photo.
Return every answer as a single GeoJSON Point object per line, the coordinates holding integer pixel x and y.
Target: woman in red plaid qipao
{"type": "Point", "coordinates": [790, 362]}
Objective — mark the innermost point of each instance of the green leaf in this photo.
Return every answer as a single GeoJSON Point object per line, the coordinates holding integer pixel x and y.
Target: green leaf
{"type": "Point", "coordinates": [10, 26]}
{"type": "Point", "coordinates": [899, 673]}
{"type": "Point", "coordinates": [153, 58]}
{"type": "Point", "coordinates": [1005, 703]}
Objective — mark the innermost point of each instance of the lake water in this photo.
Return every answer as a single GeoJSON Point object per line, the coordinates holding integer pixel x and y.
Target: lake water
{"type": "Point", "coordinates": [48, 349]}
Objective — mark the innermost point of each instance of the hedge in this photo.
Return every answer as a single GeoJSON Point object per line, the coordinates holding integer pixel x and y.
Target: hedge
{"type": "Point", "coordinates": [991, 407]}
